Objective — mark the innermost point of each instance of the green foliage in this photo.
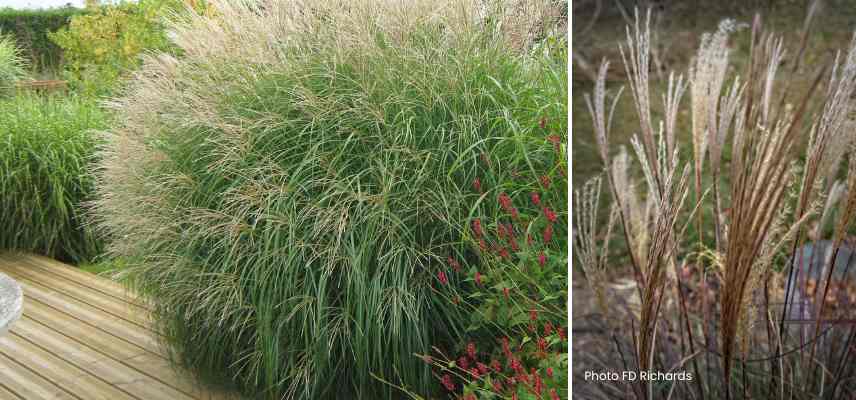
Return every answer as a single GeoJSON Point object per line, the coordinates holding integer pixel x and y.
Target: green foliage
{"type": "Point", "coordinates": [106, 42]}
{"type": "Point", "coordinates": [12, 66]}
{"type": "Point", "coordinates": [511, 276]}
{"type": "Point", "coordinates": [45, 149]}
{"type": "Point", "coordinates": [30, 28]}
{"type": "Point", "coordinates": [286, 192]}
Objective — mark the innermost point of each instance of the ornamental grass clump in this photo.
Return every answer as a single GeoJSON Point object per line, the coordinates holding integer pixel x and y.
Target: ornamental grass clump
{"type": "Point", "coordinates": [736, 304]}
{"type": "Point", "coordinates": [286, 190]}
{"type": "Point", "coordinates": [12, 64]}
{"type": "Point", "coordinates": [46, 148]}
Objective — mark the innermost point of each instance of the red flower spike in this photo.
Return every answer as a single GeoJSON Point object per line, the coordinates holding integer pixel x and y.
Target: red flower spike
{"type": "Point", "coordinates": [471, 350]}
{"type": "Point", "coordinates": [548, 328]}
{"type": "Point", "coordinates": [505, 347]}
{"type": "Point", "coordinates": [463, 363]}
{"type": "Point", "coordinates": [514, 247]}
{"type": "Point", "coordinates": [454, 264]}
{"type": "Point", "coordinates": [542, 259]}
{"type": "Point", "coordinates": [549, 372]}
{"type": "Point", "coordinates": [483, 246]}
{"type": "Point", "coordinates": [500, 231]}
{"type": "Point", "coordinates": [482, 368]}
{"type": "Point", "coordinates": [497, 387]}
{"type": "Point", "coordinates": [557, 142]}
{"type": "Point", "coordinates": [495, 365]}
{"type": "Point", "coordinates": [542, 344]}
{"type": "Point", "coordinates": [505, 202]}
{"type": "Point", "coordinates": [533, 315]}
{"type": "Point", "coordinates": [514, 213]}
{"type": "Point", "coordinates": [509, 229]}
{"type": "Point", "coordinates": [475, 372]}
{"type": "Point", "coordinates": [477, 228]}
{"type": "Point", "coordinates": [539, 385]}
{"type": "Point", "coordinates": [545, 181]}
{"type": "Point", "coordinates": [548, 233]}
{"type": "Point", "coordinates": [505, 292]}
{"type": "Point", "coordinates": [442, 277]}
{"type": "Point", "coordinates": [447, 382]}
{"type": "Point", "coordinates": [478, 278]}
{"type": "Point", "coordinates": [554, 395]}
{"type": "Point", "coordinates": [543, 123]}
{"type": "Point", "coordinates": [503, 252]}
{"type": "Point", "coordinates": [561, 332]}
{"type": "Point", "coordinates": [536, 199]}
{"type": "Point", "coordinates": [515, 365]}
{"type": "Point", "coordinates": [551, 216]}
{"type": "Point", "coordinates": [477, 185]}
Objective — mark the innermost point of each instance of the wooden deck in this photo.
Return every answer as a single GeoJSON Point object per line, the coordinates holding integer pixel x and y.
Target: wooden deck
{"type": "Point", "coordinates": [82, 337]}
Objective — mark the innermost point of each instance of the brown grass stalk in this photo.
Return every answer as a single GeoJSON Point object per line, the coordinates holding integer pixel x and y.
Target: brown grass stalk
{"type": "Point", "coordinates": [762, 198]}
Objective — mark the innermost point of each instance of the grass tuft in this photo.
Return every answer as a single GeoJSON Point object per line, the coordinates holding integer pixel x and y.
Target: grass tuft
{"type": "Point", "coordinates": [12, 64]}
{"type": "Point", "coordinates": [46, 145]}
{"type": "Point", "coordinates": [286, 191]}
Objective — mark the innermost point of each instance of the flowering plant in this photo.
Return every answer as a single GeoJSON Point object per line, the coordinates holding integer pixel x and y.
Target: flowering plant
{"type": "Point", "coordinates": [512, 282]}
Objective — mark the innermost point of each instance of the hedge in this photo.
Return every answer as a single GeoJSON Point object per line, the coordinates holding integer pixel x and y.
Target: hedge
{"type": "Point", "coordinates": [30, 28]}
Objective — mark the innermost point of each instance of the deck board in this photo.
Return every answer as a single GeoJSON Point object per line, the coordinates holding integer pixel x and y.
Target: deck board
{"type": "Point", "coordinates": [8, 394]}
{"type": "Point", "coordinates": [97, 300]}
{"type": "Point", "coordinates": [81, 277]}
{"type": "Point", "coordinates": [84, 337]}
{"type": "Point", "coordinates": [26, 384]}
{"type": "Point", "coordinates": [34, 291]}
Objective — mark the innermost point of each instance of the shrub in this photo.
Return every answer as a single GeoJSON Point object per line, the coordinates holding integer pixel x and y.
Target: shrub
{"type": "Point", "coordinates": [30, 28]}
{"type": "Point", "coordinates": [106, 42]}
{"type": "Point", "coordinates": [720, 309]}
{"type": "Point", "coordinates": [45, 148]}
{"type": "Point", "coordinates": [287, 190]}
{"type": "Point", "coordinates": [12, 66]}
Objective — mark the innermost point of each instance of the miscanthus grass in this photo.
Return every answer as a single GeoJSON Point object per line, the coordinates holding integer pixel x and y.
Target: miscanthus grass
{"type": "Point", "coordinates": [286, 190]}
{"type": "Point", "coordinates": [46, 146]}
{"type": "Point", "coordinates": [12, 64]}
{"type": "Point", "coordinates": [734, 310]}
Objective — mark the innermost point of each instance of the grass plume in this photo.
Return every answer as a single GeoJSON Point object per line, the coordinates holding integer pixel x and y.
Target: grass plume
{"type": "Point", "coordinates": [763, 197]}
